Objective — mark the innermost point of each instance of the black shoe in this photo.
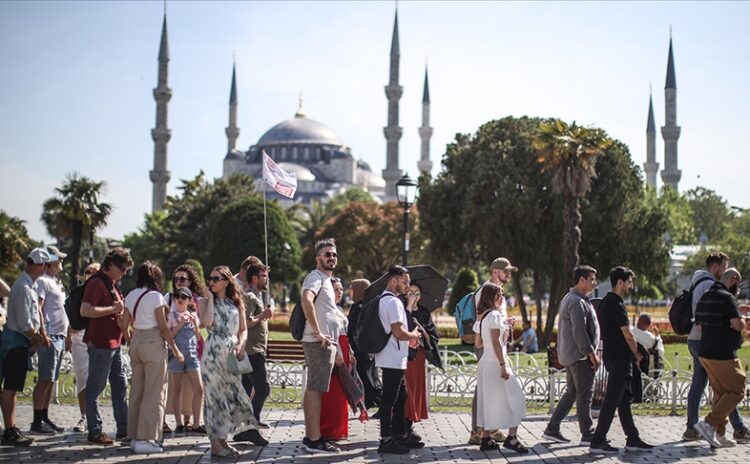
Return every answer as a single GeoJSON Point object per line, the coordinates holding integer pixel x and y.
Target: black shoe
{"type": "Point", "coordinates": [587, 439]}
{"type": "Point", "coordinates": [319, 446]}
{"type": "Point", "coordinates": [180, 429]}
{"type": "Point", "coordinates": [637, 445]}
{"type": "Point", "coordinates": [392, 447]}
{"type": "Point", "coordinates": [514, 444]}
{"type": "Point", "coordinates": [165, 428]}
{"type": "Point", "coordinates": [14, 437]}
{"type": "Point", "coordinates": [53, 425]}
{"type": "Point", "coordinates": [253, 436]}
{"type": "Point", "coordinates": [555, 436]}
{"type": "Point", "coordinates": [602, 448]}
{"type": "Point", "coordinates": [488, 444]}
{"type": "Point", "coordinates": [414, 435]}
{"type": "Point", "coordinates": [411, 442]}
{"type": "Point", "coordinates": [262, 425]}
{"type": "Point", "coordinates": [123, 436]}
{"type": "Point", "coordinates": [41, 428]}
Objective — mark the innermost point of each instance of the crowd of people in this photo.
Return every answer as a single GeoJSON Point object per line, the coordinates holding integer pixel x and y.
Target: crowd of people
{"type": "Point", "coordinates": [174, 370]}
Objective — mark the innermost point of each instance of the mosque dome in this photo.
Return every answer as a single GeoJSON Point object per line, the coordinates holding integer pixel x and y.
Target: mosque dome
{"type": "Point", "coordinates": [300, 130]}
{"type": "Point", "coordinates": [301, 172]}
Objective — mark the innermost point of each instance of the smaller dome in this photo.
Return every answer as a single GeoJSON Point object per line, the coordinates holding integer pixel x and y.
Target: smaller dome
{"type": "Point", "coordinates": [235, 154]}
{"type": "Point", "coordinates": [301, 172]}
{"type": "Point", "coordinates": [367, 178]}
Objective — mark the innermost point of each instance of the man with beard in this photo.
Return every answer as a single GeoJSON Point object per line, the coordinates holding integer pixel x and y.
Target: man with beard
{"type": "Point", "coordinates": [620, 350]}
{"type": "Point", "coordinates": [318, 302]}
{"type": "Point", "coordinates": [257, 339]}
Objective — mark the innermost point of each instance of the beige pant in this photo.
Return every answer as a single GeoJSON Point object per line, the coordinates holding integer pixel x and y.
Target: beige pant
{"type": "Point", "coordinates": [148, 385]}
{"type": "Point", "coordinates": [727, 379]}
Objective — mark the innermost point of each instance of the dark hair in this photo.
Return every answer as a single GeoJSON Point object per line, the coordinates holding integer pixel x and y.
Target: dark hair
{"type": "Point", "coordinates": [358, 287]}
{"type": "Point", "coordinates": [716, 257]}
{"type": "Point", "coordinates": [620, 273]}
{"type": "Point", "coordinates": [487, 296]}
{"type": "Point", "coordinates": [396, 271]}
{"type": "Point", "coordinates": [149, 276]}
{"type": "Point", "coordinates": [254, 269]}
{"type": "Point", "coordinates": [196, 285]}
{"type": "Point", "coordinates": [119, 257]}
{"type": "Point", "coordinates": [644, 318]}
{"type": "Point", "coordinates": [249, 261]}
{"type": "Point", "coordinates": [582, 272]}
{"type": "Point", "coordinates": [233, 291]}
{"type": "Point", "coordinates": [326, 242]}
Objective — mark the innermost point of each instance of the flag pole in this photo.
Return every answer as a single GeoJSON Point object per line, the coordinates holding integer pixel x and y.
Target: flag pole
{"type": "Point", "coordinates": [265, 236]}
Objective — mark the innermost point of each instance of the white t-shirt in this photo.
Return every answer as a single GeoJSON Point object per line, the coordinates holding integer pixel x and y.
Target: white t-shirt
{"type": "Point", "coordinates": [55, 319]}
{"type": "Point", "coordinates": [648, 340]}
{"type": "Point", "coordinates": [145, 318]}
{"type": "Point", "coordinates": [325, 305]}
{"type": "Point", "coordinates": [396, 352]}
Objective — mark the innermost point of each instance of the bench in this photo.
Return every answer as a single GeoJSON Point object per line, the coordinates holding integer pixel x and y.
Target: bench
{"type": "Point", "coordinates": [285, 350]}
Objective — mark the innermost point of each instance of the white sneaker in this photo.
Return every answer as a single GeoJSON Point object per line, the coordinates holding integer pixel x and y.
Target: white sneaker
{"type": "Point", "coordinates": [81, 425]}
{"type": "Point", "coordinates": [146, 447]}
{"type": "Point", "coordinates": [708, 433]}
{"type": "Point", "coordinates": [725, 442]}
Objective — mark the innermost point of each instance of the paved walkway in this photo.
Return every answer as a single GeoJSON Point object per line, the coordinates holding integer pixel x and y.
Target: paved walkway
{"type": "Point", "coordinates": [444, 433]}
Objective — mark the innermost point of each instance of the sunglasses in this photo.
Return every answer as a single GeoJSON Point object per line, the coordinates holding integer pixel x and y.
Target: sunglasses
{"type": "Point", "coordinates": [216, 279]}
{"type": "Point", "coordinates": [180, 297]}
{"type": "Point", "coordinates": [330, 254]}
{"type": "Point", "coordinates": [181, 279]}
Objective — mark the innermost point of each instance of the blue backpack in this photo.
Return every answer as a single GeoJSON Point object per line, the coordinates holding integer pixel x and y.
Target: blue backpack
{"type": "Point", "coordinates": [465, 314]}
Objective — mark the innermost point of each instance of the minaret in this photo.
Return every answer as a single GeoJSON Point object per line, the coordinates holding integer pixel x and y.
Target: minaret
{"type": "Point", "coordinates": [393, 132]}
{"type": "Point", "coordinates": [232, 130]}
{"type": "Point", "coordinates": [651, 167]}
{"type": "Point", "coordinates": [670, 131]}
{"type": "Point", "coordinates": [161, 133]}
{"type": "Point", "coordinates": [425, 132]}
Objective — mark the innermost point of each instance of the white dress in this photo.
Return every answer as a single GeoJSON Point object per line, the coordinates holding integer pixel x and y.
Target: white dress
{"type": "Point", "coordinates": [500, 403]}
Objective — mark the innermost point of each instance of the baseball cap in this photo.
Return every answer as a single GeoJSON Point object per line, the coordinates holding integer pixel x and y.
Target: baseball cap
{"type": "Point", "coordinates": [55, 254]}
{"type": "Point", "coordinates": [38, 256]}
{"type": "Point", "coordinates": [503, 264]}
{"type": "Point", "coordinates": [183, 291]}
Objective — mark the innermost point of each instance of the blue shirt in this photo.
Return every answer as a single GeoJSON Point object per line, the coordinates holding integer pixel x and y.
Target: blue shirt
{"type": "Point", "coordinates": [527, 335]}
{"type": "Point", "coordinates": [23, 305]}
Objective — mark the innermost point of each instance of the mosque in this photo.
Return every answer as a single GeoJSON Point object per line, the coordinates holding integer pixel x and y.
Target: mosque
{"type": "Point", "coordinates": [324, 165]}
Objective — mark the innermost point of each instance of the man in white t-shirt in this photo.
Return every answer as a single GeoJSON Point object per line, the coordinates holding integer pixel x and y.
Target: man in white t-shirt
{"type": "Point", "coordinates": [54, 329]}
{"type": "Point", "coordinates": [392, 361]}
{"type": "Point", "coordinates": [319, 305]}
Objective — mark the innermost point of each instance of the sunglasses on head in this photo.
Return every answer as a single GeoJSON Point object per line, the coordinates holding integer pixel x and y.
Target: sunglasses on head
{"type": "Point", "coordinates": [330, 254]}
{"type": "Point", "coordinates": [181, 279]}
{"type": "Point", "coordinates": [180, 297]}
{"type": "Point", "coordinates": [216, 279]}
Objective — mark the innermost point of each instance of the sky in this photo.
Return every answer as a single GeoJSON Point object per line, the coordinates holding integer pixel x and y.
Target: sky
{"type": "Point", "coordinates": [77, 81]}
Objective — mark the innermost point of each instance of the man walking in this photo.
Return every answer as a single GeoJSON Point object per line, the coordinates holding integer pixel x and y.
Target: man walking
{"type": "Point", "coordinates": [392, 361]}
{"type": "Point", "coordinates": [577, 340]}
{"type": "Point", "coordinates": [620, 351]}
{"type": "Point", "coordinates": [722, 327]}
{"type": "Point", "coordinates": [257, 339]}
{"type": "Point", "coordinates": [319, 305]}
{"type": "Point", "coordinates": [103, 304]}
{"type": "Point", "coordinates": [20, 331]}
{"type": "Point", "coordinates": [54, 332]}
{"type": "Point", "coordinates": [703, 279]}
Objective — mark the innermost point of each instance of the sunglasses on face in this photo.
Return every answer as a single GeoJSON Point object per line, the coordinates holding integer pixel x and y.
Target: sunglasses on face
{"type": "Point", "coordinates": [330, 254]}
{"type": "Point", "coordinates": [216, 279]}
{"type": "Point", "coordinates": [180, 297]}
{"type": "Point", "coordinates": [181, 279]}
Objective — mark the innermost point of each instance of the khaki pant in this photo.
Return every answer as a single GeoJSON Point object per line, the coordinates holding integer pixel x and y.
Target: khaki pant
{"type": "Point", "coordinates": [148, 385]}
{"type": "Point", "coordinates": [727, 379]}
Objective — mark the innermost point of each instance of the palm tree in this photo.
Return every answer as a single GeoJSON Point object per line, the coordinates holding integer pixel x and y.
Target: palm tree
{"type": "Point", "coordinates": [74, 210]}
{"type": "Point", "coordinates": [570, 152]}
{"type": "Point", "coordinates": [14, 242]}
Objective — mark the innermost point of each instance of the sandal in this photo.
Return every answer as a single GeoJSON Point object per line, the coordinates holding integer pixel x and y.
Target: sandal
{"type": "Point", "coordinates": [224, 453]}
{"type": "Point", "coordinates": [514, 444]}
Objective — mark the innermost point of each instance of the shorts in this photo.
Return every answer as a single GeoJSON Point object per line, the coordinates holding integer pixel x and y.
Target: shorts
{"type": "Point", "coordinates": [15, 366]}
{"type": "Point", "coordinates": [80, 353]}
{"type": "Point", "coordinates": [50, 358]}
{"type": "Point", "coordinates": [191, 364]}
{"type": "Point", "coordinates": [319, 363]}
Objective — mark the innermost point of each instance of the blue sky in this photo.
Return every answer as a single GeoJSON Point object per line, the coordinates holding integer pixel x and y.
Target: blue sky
{"type": "Point", "coordinates": [77, 80]}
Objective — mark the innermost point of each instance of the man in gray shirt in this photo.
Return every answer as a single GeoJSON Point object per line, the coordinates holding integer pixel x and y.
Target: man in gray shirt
{"type": "Point", "coordinates": [577, 340]}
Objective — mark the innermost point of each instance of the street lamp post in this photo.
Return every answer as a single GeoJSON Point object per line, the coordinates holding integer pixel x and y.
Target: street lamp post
{"type": "Point", "coordinates": [406, 192]}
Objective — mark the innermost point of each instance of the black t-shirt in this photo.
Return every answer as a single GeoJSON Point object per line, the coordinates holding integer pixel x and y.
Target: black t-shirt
{"type": "Point", "coordinates": [612, 316]}
{"type": "Point", "coordinates": [714, 311]}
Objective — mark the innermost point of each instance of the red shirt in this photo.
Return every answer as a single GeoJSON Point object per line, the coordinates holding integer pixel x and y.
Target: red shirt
{"type": "Point", "coordinates": [103, 332]}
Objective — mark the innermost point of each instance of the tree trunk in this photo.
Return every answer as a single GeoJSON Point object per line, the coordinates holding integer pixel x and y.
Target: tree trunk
{"type": "Point", "coordinates": [519, 296]}
{"type": "Point", "coordinates": [555, 295]}
{"type": "Point", "coordinates": [571, 235]}
{"type": "Point", "coordinates": [538, 294]}
{"type": "Point", "coordinates": [75, 252]}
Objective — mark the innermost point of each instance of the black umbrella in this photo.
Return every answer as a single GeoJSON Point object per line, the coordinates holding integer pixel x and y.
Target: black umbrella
{"type": "Point", "coordinates": [432, 283]}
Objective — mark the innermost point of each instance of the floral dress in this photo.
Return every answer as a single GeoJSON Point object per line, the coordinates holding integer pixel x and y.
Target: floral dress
{"type": "Point", "coordinates": [226, 407]}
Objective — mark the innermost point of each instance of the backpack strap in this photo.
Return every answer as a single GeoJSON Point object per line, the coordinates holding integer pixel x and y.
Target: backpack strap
{"type": "Point", "coordinates": [135, 309]}
{"type": "Point", "coordinates": [380, 297]}
{"type": "Point", "coordinates": [703, 279]}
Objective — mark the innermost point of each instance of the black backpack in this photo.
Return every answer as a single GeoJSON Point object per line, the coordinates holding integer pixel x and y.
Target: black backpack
{"type": "Point", "coordinates": [297, 319]}
{"type": "Point", "coordinates": [681, 311]}
{"type": "Point", "coordinates": [370, 336]}
{"type": "Point", "coordinates": [73, 304]}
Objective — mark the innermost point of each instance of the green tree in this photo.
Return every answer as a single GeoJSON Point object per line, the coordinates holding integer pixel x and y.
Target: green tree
{"type": "Point", "coordinates": [466, 281]}
{"type": "Point", "coordinates": [76, 209]}
{"type": "Point", "coordinates": [681, 228]}
{"type": "Point", "coordinates": [14, 244]}
{"type": "Point", "coordinates": [570, 151]}
{"type": "Point", "coordinates": [710, 213]}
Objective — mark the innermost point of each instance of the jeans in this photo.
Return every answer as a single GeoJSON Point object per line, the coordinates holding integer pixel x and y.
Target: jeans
{"type": "Point", "coordinates": [617, 397]}
{"type": "Point", "coordinates": [392, 417]}
{"type": "Point", "coordinates": [105, 363]}
{"type": "Point", "coordinates": [698, 386]}
{"type": "Point", "coordinates": [258, 380]}
{"type": "Point", "coordinates": [580, 390]}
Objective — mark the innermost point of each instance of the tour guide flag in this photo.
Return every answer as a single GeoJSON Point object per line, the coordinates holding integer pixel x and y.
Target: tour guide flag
{"type": "Point", "coordinates": [283, 182]}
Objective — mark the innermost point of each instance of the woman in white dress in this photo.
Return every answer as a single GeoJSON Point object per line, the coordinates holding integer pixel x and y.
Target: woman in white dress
{"type": "Point", "coordinates": [500, 400]}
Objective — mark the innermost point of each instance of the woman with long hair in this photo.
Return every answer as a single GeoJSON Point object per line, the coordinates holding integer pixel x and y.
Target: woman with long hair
{"type": "Point", "coordinates": [184, 276]}
{"type": "Point", "coordinates": [500, 400]}
{"type": "Point", "coordinates": [227, 407]}
{"type": "Point", "coordinates": [365, 364]}
{"type": "Point", "coordinates": [146, 312]}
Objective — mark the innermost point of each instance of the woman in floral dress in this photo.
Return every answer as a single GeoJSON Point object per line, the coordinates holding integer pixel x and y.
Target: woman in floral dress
{"type": "Point", "coordinates": [227, 408]}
